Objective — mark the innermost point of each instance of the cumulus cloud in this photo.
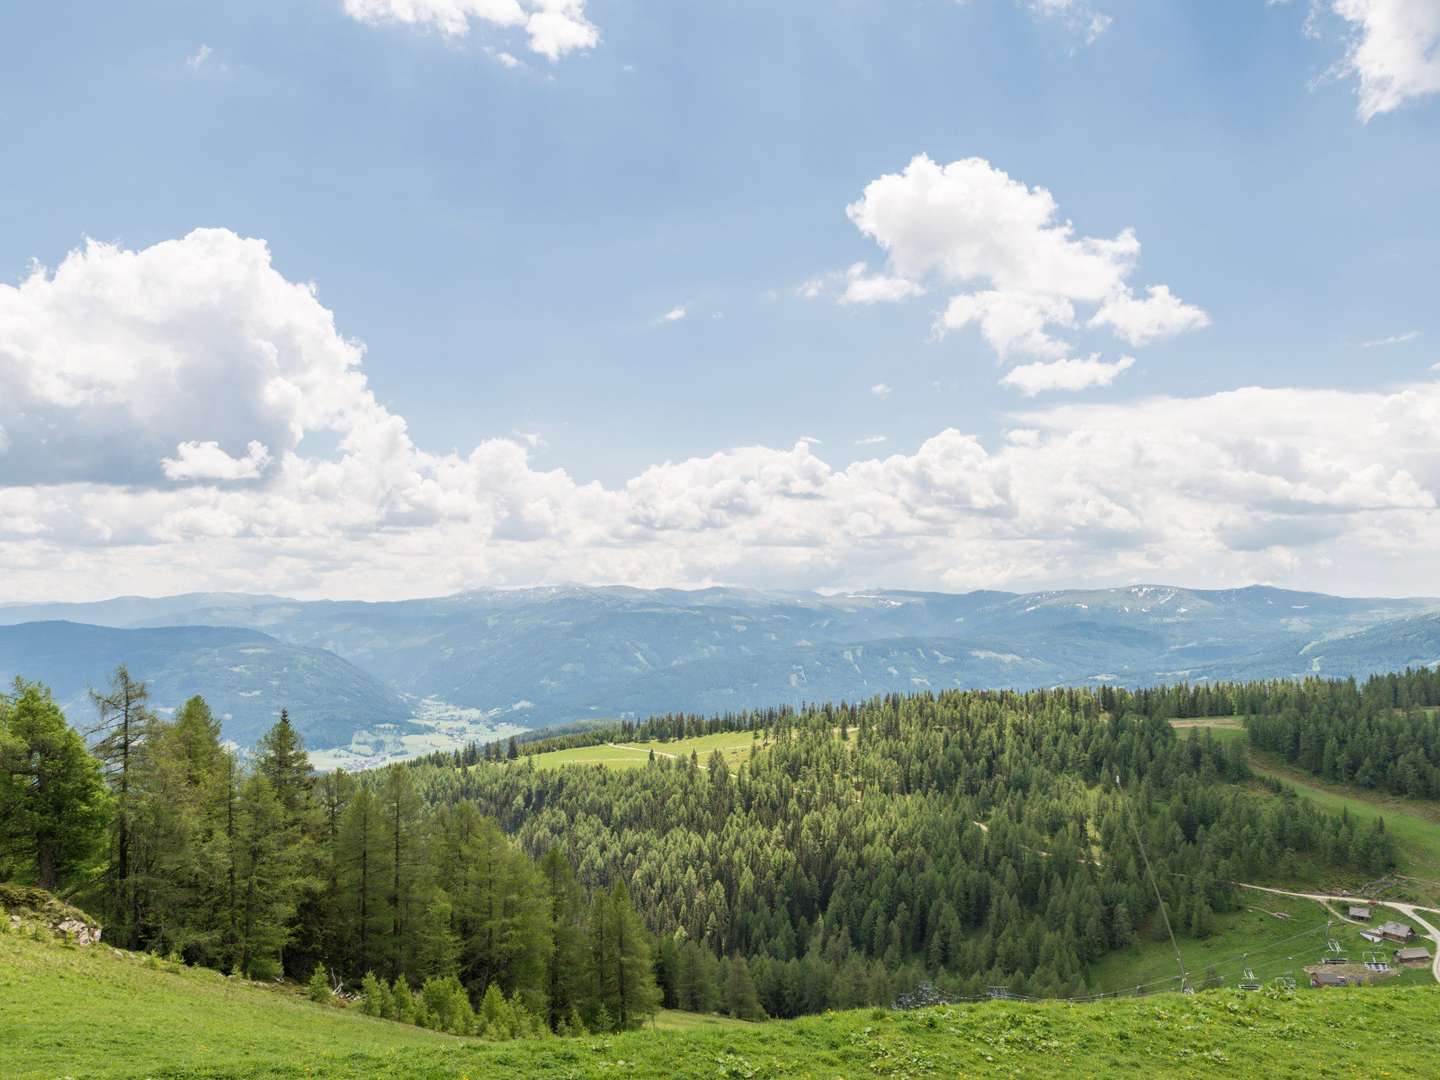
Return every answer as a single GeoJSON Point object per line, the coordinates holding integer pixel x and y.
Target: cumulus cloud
{"type": "Point", "coordinates": [1021, 268]}
{"type": "Point", "coordinates": [864, 288]}
{"type": "Point", "coordinates": [156, 406]}
{"type": "Point", "coordinates": [553, 27]}
{"type": "Point", "coordinates": [1069, 374]}
{"type": "Point", "coordinates": [675, 314]}
{"type": "Point", "coordinates": [119, 357]}
{"type": "Point", "coordinates": [1012, 321]}
{"type": "Point", "coordinates": [1160, 315]}
{"type": "Point", "coordinates": [206, 461]}
{"type": "Point", "coordinates": [1394, 52]}
{"type": "Point", "coordinates": [881, 390]}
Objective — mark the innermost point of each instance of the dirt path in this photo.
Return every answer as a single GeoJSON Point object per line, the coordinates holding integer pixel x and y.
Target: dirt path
{"type": "Point", "coordinates": [1410, 911]}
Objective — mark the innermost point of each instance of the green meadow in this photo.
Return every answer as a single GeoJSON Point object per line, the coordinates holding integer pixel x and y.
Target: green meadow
{"type": "Point", "coordinates": [97, 1013]}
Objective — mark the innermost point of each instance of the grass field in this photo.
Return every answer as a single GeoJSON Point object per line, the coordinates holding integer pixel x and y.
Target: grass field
{"type": "Point", "coordinates": [734, 745]}
{"type": "Point", "coordinates": [1270, 947]}
{"type": "Point", "coordinates": [92, 1015]}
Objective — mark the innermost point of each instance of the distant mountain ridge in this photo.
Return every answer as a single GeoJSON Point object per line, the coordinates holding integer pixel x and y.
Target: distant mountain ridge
{"type": "Point", "coordinates": [246, 676]}
{"type": "Point", "coordinates": [543, 656]}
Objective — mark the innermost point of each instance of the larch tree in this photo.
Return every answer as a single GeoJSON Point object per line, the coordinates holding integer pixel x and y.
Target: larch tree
{"type": "Point", "coordinates": [53, 806]}
{"type": "Point", "coordinates": [121, 729]}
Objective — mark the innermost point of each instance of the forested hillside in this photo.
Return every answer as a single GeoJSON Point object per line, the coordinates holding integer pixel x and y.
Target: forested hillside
{"type": "Point", "coordinates": [863, 852]}
{"type": "Point", "coordinates": [1383, 735]}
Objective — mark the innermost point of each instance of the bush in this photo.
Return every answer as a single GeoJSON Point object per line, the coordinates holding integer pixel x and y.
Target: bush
{"type": "Point", "coordinates": [403, 1001]}
{"type": "Point", "coordinates": [318, 988]}
{"type": "Point", "coordinates": [448, 1006]}
{"type": "Point", "coordinates": [375, 996]}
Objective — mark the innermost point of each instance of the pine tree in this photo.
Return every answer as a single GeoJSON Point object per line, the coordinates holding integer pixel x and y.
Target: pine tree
{"type": "Point", "coordinates": [567, 966]}
{"type": "Point", "coordinates": [282, 763]}
{"type": "Point", "coordinates": [623, 962]}
{"type": "Point", "coordinates": [741, 999]}
{"type": "Point", "coordinates": [53, 807]}
{"type": "Point", "coordinates": [502, 912]}
{"type": "Point", "coordinates": [123, 725]}
{"type": "Point", "coordinates": [269, 879]}
{"type": "Point", "coordinates": [400, 814]}
{"type": "Point", "coordinates": [361, 873]}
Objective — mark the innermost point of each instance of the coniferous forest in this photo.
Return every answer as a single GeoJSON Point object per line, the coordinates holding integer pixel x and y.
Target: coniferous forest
{"type": "Point", "coordinates": [961, 841]}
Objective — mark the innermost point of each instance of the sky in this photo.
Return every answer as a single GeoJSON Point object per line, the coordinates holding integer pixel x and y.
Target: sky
{"type": "Point", "coordinates": [387, 298]}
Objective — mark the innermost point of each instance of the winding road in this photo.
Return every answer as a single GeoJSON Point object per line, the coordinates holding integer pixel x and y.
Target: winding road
{"type": "Point", "coordinates": [1410, 911]}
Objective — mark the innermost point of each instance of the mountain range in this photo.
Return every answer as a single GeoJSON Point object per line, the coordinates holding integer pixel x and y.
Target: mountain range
{"type": "Point", "coordinates": [373, 681]}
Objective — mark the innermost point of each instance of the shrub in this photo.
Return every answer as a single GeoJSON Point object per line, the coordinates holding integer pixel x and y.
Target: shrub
{"type": "Point", "coordinates": [376, 997]}
{"type": "Point", "coordinates": [404, 1001]}
{"type": "Point", "coordinates": [318, 988]}
{"type": "Point", "coordinates": [448, 1005]}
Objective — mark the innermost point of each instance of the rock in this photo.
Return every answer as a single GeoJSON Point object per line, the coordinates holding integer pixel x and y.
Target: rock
{"type": "Point", "coordinates": [82, 933]}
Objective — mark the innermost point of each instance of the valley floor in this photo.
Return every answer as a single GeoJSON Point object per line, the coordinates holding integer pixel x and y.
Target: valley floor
{"type": "Point", "coordinates": [95, 1012]}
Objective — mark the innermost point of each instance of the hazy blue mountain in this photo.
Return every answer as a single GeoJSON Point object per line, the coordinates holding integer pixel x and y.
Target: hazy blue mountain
{"type": "Point", "coordinates": [1392, 645]}
{"type": "Point", "coordinates": [488, 660]}
{"type": "Point", "coordinates": [246, 676]}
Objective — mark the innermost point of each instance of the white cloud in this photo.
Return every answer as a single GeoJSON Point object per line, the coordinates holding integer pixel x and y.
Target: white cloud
{"type": "Point", "coordinates": [156, 406]}
{"type": "Point", "coordinates": [206, 461]}
{"type": "Point", "coordinates": [554, 27]}
{"type": "Point", "coordinates": [1011, 321]}
{"type": "Point", "coordinates": [507, 59]}
{"type": "Point", "coordinates": [1160, 315]}
{"type": "Point", "coordinates": [196, 60]}
{"type": "Point", "coordinates": [872, 440]}
{"type": "Point", "coordinates": [863, 288]}
{"type": "Point", "coordinates": [1394, 51]}
{"type": "Point", "coordinates": [881, 390]}
{"type": "Point", "coordinates": [1393, 339]}
{"type": "Point", "coordinates": [969, 224]}
{"type": "Point", "coordinates": [675, 314]}
{"type": "Point", "coordinates": [1070, 374]}
{"type": "Point", "coordinates": [119, 357]}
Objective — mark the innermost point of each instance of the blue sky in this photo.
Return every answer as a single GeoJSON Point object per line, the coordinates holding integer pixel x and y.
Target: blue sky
{"type": "Point", "coordinates": [505, 233]}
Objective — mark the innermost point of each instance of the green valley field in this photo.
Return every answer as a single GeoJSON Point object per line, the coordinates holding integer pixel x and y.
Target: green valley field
{"type": "Point", "coordinates": [734, 746]}
{"type": "Point", "coordinates": [98, 1013]}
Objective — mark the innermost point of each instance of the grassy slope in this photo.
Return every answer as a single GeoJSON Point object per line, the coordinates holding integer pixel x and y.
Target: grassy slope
{"type": "Point", "coordinates": [1271, 947]}
{"type": "Point", "coordinates": [735, 746]}
{"type": "Point", "coordinates": [89, 1013]}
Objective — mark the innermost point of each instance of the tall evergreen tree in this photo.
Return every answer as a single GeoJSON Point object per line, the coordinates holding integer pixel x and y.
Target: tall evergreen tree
{"type": "Point", "coordinates": [741, 999]}
{"type": "Point", "coordinates": [624, 966]}
{"type": "Point", "coordinates": [567, 965]}
{"type": "Point", "coordinates": [53, 806]}
{"type": "Point", "coordinates": [124, 723]}
{"type": "Point", "coordinates": [400, 815]}
{"type": "Point", "coordinates": [360, 860]}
